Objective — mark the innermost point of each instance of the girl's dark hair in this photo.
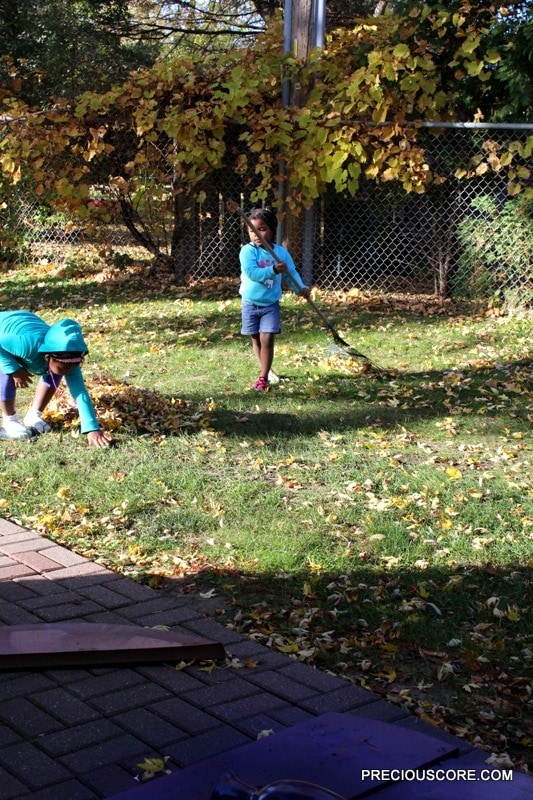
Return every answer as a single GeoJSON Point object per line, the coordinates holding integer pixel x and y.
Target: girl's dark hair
{"type": "Point", "coordinates": [265, 215]}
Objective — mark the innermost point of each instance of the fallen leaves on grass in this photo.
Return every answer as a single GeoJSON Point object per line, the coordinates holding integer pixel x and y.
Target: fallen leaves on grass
{"type": "Point", "coordinates": [379, 635]}
{"type": "Point", "coordinates": [345, 364]}
{"type": "Point", "coordinates": [121, 405]}
{"type": "Point", "coordinates": [406, 303]}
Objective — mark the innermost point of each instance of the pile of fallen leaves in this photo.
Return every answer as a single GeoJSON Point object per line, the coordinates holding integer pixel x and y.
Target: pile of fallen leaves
{"type": "Point", "coordinates": [121, 406]}
{"type": "Point", "coordinates": [349, 364]}
{"type": "Point", "coordinates": [398, 302]}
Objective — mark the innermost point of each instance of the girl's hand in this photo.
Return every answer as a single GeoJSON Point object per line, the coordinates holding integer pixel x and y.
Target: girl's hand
{"type": "Point", "coordinates": [22, 378]}
{"type": "Point", "coordinates": [99, 439]}
{"type": "Point", "coordinates": [280, 267]}
{"type": "Point", "coordinates": [305, 292]}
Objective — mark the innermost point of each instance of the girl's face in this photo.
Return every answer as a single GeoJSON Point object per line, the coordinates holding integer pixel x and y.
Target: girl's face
{"type": "Point", "coordinates": [60, 367]}
{"type": "Point", "coordinates": [263, 229]}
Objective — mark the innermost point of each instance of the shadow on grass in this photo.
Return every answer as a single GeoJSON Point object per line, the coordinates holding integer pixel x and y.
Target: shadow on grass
{"type": "Point", "coordinates": [341, 403]}
{"type": "Point", "coordinates": [415, 637]}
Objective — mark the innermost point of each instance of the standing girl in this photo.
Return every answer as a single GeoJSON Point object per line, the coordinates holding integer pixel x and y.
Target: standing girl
{"type": "Point", "coordinates": [261, 290]}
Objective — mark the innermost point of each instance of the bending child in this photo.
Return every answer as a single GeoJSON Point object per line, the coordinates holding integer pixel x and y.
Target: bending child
{"type": "Point", "coordinates": [29, 346]}
{"type": "Point", "coordinates": [261, 290]}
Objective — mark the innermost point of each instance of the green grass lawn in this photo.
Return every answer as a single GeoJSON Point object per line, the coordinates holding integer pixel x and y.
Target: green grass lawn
{"type": "Point", "coordinates": [377, 527]}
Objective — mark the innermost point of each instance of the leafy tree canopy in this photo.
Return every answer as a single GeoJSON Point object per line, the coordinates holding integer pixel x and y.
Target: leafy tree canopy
{"type": "Point", "coordinates": [61, 47]}
{"type": "Point", "coordinates": [150, 143]}
{"type": "Point", "coordinates": [505, 28]}
{"type": "Point", "coordinates": [512, 89]}
{"type": "Point", "coordinates": [195, 116]}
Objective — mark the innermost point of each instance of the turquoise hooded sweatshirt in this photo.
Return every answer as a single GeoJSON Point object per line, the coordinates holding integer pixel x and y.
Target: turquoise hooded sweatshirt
{"type": "Point", "coordinates": [259, 283]}
{"type": "Point", "coordinates": [25, 338]}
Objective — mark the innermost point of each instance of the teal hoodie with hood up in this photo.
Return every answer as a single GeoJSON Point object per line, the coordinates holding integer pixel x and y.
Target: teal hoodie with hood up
{"type": "Point", "coordinates": [25, 338]}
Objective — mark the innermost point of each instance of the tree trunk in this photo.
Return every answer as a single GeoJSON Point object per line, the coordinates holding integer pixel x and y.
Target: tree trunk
{"type": "Point", "coordinates": [132, 223]}
{"type": "Point", "coordinates": [178, 255]}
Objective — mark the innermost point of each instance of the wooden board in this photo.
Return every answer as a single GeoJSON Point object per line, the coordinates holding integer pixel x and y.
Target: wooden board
{"type": "Point", "coordinates": [59, 644]}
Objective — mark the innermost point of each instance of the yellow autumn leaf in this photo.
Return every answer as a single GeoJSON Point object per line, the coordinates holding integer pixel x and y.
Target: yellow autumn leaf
{"type": "Point", "coordinates": [391, 561]}
{"type": "Point", "coordinates": [389, 673]}
{"type": "Point", "coordinates": [183, 665]}
{"type": "Point", "coordinates": [291, 647]}
{"type": "Point", "coordinates": [154, 764]}
{"type": "Point", "coordinates": [209, 667]}
{"type": "Point", "coordinates": [454, 473]}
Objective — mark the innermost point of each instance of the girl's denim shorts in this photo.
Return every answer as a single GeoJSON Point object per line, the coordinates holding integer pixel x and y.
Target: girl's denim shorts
{"type": "Point", "coordinates": [260, 319]}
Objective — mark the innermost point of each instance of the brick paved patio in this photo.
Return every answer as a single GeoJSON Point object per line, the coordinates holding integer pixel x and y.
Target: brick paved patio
{"type": "Point", "coordinates": [79, 734]}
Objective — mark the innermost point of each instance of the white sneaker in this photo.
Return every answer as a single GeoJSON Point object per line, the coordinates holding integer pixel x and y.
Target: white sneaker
{"type": "Point", "coordinates": [34, 419]}
{"type": "Point", "coordinates": [14, 429]}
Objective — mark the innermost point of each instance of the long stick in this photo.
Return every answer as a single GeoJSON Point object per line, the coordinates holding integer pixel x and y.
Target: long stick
{"type": "Point", "coordinates": [268, 247]}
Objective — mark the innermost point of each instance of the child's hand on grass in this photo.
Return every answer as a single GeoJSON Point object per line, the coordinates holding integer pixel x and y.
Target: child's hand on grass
{"type": "Point", "coordinates": [99, 439]}
{"type": "Point", "coordinates": [305, 292]}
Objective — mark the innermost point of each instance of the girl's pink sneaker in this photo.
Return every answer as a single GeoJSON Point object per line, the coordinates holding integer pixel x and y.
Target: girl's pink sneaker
{"type": "Point", "coordinates": [261, 385]}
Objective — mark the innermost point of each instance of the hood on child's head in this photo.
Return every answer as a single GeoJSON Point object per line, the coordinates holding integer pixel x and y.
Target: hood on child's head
{"type": "Point", "coordinates": [64, 336]}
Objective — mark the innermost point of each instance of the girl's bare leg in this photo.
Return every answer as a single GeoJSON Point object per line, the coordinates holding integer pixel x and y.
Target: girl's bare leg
{"type": "Point", "coordinates": [256, 344]}
{"type": "Point", "coordinates": [263, 344]}
{"type": "Point", "coordinates": [7, 407]}
{"type": "Point", "coordinates": [43, 395]}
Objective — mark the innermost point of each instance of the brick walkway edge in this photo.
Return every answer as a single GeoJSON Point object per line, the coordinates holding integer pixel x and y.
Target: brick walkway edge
{"type": "Point", "coordinates": [79, 734]}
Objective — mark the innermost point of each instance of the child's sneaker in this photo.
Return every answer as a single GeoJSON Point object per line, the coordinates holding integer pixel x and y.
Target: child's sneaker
{"type": "Point", "coordinates": [261, 385]}
{"type": "Point", "coordinates": [13, 429]}
{"type": "Point", "coordinates": [272, 377]}
{"type": "Point", "coordinates": [34, 419]}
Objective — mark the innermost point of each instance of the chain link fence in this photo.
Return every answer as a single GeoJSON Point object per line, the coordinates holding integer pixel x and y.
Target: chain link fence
{"type": "Point", "coordinates": [461, 238]}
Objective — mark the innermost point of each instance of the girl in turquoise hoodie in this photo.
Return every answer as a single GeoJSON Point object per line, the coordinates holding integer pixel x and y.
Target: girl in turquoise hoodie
{"type": "Point", "coordinates": [261, 290]}
{"type": "Point", "coordinates": [29, 346]}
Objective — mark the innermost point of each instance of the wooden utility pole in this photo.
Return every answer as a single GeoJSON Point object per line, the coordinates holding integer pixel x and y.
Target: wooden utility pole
{"type": "Point", "coordinates": [301, 41]}
{"type": "Point", "coordinates": [303, 30]}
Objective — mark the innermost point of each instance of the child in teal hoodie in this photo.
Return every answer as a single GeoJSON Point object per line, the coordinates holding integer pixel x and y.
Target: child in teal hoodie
{"type": "Point", "coordinates": [29, 346]}
{"type": "Point", "coordinates": [261, 290]}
